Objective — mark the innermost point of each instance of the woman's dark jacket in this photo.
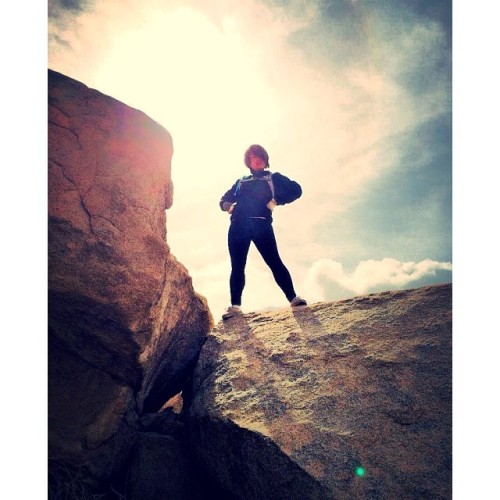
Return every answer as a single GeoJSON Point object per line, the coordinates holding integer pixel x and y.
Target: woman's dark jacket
{"type": "Point", "coordinates": [253, 192]}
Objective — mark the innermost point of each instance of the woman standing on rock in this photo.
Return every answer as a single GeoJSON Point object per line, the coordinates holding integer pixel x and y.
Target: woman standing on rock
{"type": "Point", "coordinates": [250, 201]}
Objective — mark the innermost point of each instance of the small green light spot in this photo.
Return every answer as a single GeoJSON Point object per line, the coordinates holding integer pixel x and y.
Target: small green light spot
{"type": "Point", "coordinates": [360, 471]}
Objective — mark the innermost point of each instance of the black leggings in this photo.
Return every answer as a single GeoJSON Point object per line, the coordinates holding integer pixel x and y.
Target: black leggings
{"type": "Point", "coordinates": [260, 231]}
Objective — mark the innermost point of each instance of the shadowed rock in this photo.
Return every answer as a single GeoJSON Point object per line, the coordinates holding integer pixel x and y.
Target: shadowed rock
{"type": "Point", "coordinates": [340, 400]}
{"type": "Point", "coordinates": [125, 325]}
{"type": "Point", "coordinates": [160, 469]}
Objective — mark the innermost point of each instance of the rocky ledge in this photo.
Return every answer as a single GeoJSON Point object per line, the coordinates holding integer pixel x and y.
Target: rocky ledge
{"type": "Point", "coordinates": [343, 400]}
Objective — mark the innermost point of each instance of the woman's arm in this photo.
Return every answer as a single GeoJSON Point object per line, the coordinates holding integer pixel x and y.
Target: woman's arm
{"type": "Point", "coordinates": [285, 190]}
{"type": "Point", "coordinates": [228, 198]}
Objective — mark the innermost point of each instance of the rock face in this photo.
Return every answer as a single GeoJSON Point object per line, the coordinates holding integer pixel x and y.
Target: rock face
{"type": "Point", "coordinates": [125, 325]}
{"type": "Point", "coordinates": [335, 400]}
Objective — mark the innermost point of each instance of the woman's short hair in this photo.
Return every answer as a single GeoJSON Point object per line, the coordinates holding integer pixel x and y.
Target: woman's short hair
{"type": "Point", "coordinates": [256, 150]}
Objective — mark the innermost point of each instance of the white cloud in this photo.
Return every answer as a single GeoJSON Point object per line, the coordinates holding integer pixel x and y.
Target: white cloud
{"type": "Point", "coordinates": [368, 275]}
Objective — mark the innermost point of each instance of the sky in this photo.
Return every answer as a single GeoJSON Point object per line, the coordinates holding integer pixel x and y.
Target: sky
{"type": "Point", "coordinates": [352, 99]}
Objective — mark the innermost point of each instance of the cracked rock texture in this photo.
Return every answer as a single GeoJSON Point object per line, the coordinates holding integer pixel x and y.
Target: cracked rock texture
{"type": "Point", "coordinates": [125, 325]}
{"type": "Point", "coordinates": [343, 400]}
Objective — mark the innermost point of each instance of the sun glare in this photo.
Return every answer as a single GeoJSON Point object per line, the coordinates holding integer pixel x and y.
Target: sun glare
{"type": "Point", "coordinates": [196, 79]}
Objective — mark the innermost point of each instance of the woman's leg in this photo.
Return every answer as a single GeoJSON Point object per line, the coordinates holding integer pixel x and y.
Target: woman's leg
{"type": "Point", "coordinates": [265, 241]}
{"type": "Point", "coordinates": [239, 244]}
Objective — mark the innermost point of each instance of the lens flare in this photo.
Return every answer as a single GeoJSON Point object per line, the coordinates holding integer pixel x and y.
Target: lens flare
{"type": "Point", "coordinates": [360, 471]}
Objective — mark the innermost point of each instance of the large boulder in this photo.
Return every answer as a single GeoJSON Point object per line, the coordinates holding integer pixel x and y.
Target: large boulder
{"type": "Point", "coordinates": [125, 324]}
{"type": "Point", "coordinates": [340, 400]}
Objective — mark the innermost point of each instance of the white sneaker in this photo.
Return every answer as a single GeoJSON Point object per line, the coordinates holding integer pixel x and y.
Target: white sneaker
{"type": "Point", "coordinates": [231, 311]}
{"type": "Point", "coordinates": [297, 301]}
